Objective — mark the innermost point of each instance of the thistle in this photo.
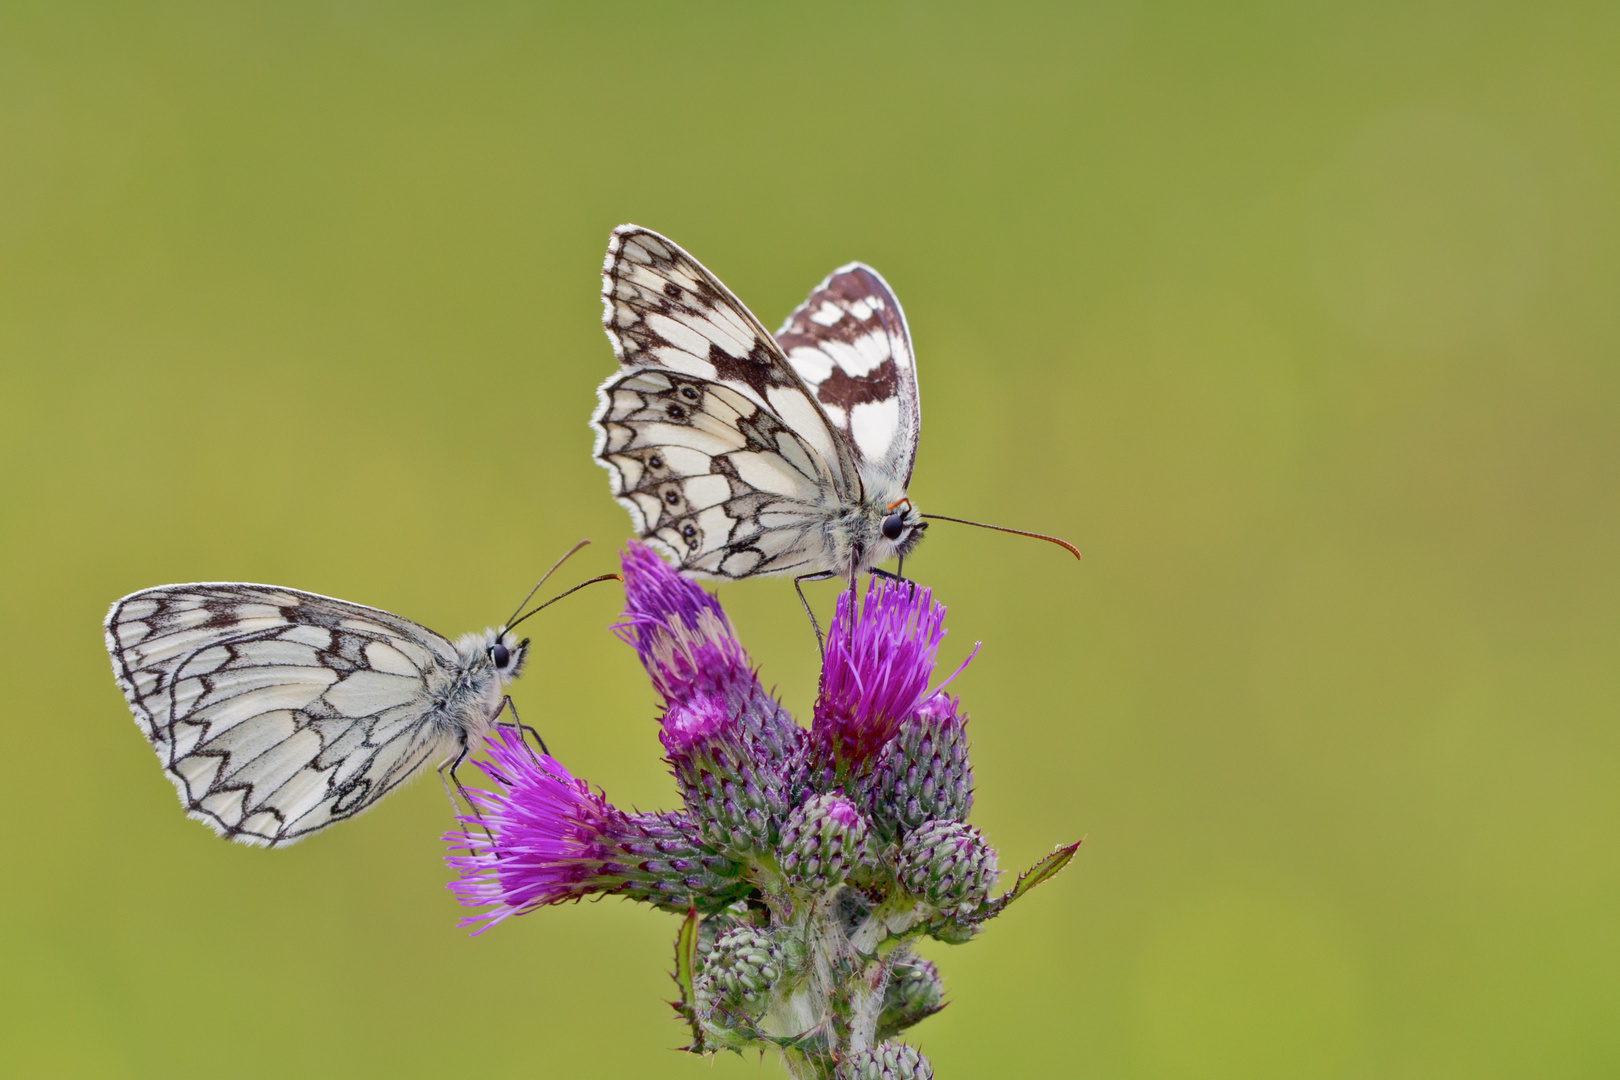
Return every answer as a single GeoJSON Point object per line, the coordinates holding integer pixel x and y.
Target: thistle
{"type": "Point", "coordinates": [807, 863]}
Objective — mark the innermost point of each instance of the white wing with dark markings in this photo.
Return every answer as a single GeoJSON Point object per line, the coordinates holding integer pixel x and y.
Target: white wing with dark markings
{"type": "Point", "coordinates": [849, 343]}
{"type": "Point", "coordinates": [276, 712]}
{"type": "Point", "coordinates": [735, 458]}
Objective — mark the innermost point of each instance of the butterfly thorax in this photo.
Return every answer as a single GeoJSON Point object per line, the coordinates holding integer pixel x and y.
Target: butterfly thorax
{"type": "Point", "coordinates": [869, 533]}
{"type": "Point", "coordinates": [467, 695]}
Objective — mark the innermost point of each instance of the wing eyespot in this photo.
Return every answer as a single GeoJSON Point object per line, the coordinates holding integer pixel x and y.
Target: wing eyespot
{"type": "Point", "coordinates": [692, 394]}
{"type": "Point", "coordinates": [675, 412]}
{"type": "Point", "coordinates": [672, 290]}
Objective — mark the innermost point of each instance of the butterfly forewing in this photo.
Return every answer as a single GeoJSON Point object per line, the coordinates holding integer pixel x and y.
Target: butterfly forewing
{"type": "Point", "coordinates": [662, 309]}
{"type": "Point", "coordinates": [276, 712]}
{"type": "Point", "coordinates": [850, 345]}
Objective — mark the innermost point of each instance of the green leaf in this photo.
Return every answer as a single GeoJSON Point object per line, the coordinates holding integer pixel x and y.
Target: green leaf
{"type": "Point", "coordinates": [1041, 871]}
{"type": "Point", "coordinates": [685, 973]}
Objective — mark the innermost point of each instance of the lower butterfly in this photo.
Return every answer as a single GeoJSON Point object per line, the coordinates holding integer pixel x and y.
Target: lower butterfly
{"type": "Point", "coordinates": [277, 713]}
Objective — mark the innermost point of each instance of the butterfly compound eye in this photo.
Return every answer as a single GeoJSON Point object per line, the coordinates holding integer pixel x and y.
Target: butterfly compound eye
{"type": "Point", "coordinates": [500, 654]}
{"type": "Point", "coordinates": [894, 525]}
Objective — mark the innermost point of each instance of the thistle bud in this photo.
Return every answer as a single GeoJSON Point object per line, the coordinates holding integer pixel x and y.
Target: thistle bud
{"type": "Point", "coordinates": [821, 841]}
{"type": "Point", "coordinates": [923, 773]}
{"type": "Point", "coordinates": [734, 798]}
{"type": "Point", "coordinates": [947, 865]}
{"type": "Point", "coordinates": [739, 972]}
{"type": "Point", "coordinates": [915, 992]}
{"type": "Point", "coordinates": [888, 1061]}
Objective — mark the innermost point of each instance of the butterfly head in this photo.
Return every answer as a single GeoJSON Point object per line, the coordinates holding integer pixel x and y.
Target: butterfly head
{"type": "Point", "coordinates": [902, 527]}
{"type": "Point", "coordinates": [506, 653]}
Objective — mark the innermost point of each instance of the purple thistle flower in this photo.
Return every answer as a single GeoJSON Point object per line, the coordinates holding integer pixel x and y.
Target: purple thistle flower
{"type": "Point", "coordinates": [551, 835]}
{"type": "Point", "coordinates": [687, 727]}
{"type": "Point", "coordinates": [551, 838]}
{"type": "Point", "coordinates": [875, 673]}
{"type": "Point", "coordinates": [680, 633]}
{"type": "Point", "coordinates": [797, 853]}
{"type": "Point", "coordinates": [694, 659]}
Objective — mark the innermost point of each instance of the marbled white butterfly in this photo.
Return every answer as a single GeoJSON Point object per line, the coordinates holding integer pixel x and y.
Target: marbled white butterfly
{"type": "Point", "coordinates": [276, 712]}
{"type": "Point", "coordinates": [739, 454]}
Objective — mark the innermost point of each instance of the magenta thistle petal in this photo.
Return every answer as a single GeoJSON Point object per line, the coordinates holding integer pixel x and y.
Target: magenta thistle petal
{"type": "Point", "coordinates": [551, 838]}
{"type": "Point", "coordinates": [688, 726]}
{"type": "Point", "coordinates": [876, 671]}
{"type": "Point", "coordinates": [683, 638]}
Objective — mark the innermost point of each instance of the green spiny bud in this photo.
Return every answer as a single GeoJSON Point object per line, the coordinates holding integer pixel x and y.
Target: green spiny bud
{"type": "Point", "coordinates": [947, 865]}
{"type": "Point", "coordinates": [821, 840]}
{"type": "Point", "coordinates": [915, 992]}
{"type": "Point", "coordinates": [887, 1061]}
{"type": "Point", "coordinates": [923, 773]}
{"type": "Point", "coordinates": [734, 797]}
{"type": "Point", "coordinates": [739, 972]}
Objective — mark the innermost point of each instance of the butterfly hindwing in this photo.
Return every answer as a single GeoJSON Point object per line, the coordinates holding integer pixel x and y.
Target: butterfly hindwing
{"type": "Point", "coordinates": [850, 345]}
{"type": "Point", "coordinates": [717, 480]}
{"type": "Point", "coordinates": [276, 712]}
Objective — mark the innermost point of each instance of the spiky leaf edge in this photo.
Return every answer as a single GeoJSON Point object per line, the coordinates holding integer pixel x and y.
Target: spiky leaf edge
{"type": "Point", "coordinates": [685, 975]}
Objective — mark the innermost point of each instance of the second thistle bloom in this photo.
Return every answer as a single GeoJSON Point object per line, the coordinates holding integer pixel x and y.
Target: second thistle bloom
{"type": "Point", "coordinates": [682, 636]}
{"type": "Point", "coordinates": [694, 659]}
{"type": "Point", "coordinates": [878, 662]}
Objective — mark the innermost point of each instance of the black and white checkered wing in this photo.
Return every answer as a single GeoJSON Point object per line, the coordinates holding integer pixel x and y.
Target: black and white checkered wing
{"type": "Point", "coordinates": [714, 479]}
{"type": "Point", "coordinates": [712, 441]}
{"type": "Point", "coordinates": [849, 343]}
{"type": "Point", "coordinates": [276, 712]}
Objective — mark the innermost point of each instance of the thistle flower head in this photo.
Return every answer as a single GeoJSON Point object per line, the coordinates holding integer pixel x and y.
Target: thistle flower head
{"type": "Point", "coordinates": [878, 662]}
{"type": "Point", "coordinates": [680, 633]}
{"type": "Point", "coordinates": [915, 992]}
{"type": "Point", "coordinates": [688, 726]}
{"type": "Point", "coordinates": [550, 838]}
{"type": "Point", "coordinates": [947, 865]}
{"type": "Point", "coordinates": [886, 1061]}
{"type": "Point", "coordinates": [796, 854]}
{"type": "Point", "coordinates": [923, 774]}
{"type": "Point", "coordinates": [821, 840]}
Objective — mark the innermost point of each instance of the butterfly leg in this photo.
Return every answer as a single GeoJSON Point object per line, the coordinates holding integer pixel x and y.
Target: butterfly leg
{"type": "Point", "coordinates": [507, 705]}
{"type": "Point", "coordinates": [448, 768]}
{"type": "Point", "coordinates": [814, 625]}
{"type": "Point", "coordinates": [875, 572]}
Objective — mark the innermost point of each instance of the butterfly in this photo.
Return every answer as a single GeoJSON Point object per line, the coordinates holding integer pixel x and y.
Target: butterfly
{"type": "Point", "coordinates": [277, 713]}
{"type": "Point", "coordinates": [739, 454]}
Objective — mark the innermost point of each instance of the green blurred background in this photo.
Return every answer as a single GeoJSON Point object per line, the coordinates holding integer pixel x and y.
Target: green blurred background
{"type": "Point", "coordinates": [1300, 320]}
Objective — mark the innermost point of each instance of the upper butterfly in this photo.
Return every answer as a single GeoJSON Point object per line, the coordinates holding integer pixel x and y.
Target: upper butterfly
{"type": "Point", "coordinates": [277, 712]}
{"type": "Point", "coordinates": [739, 454]}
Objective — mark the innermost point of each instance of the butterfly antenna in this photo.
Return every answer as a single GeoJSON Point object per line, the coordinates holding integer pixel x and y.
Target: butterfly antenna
{"type": "Point", "coordinates": [509, 623]}
{"type": "Point", "coordinates": [559, 596]}
{"type": "Point", "coordinates": [1064, 544]}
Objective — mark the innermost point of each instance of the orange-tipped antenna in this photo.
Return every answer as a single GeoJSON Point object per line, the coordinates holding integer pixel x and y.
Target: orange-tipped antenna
{"type": "Point", "coordinates": [566, 592]}
{"type": "Point", "coordinates": [1064, 544]}
{"type": "Point", "coordinates": [566, 555]}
